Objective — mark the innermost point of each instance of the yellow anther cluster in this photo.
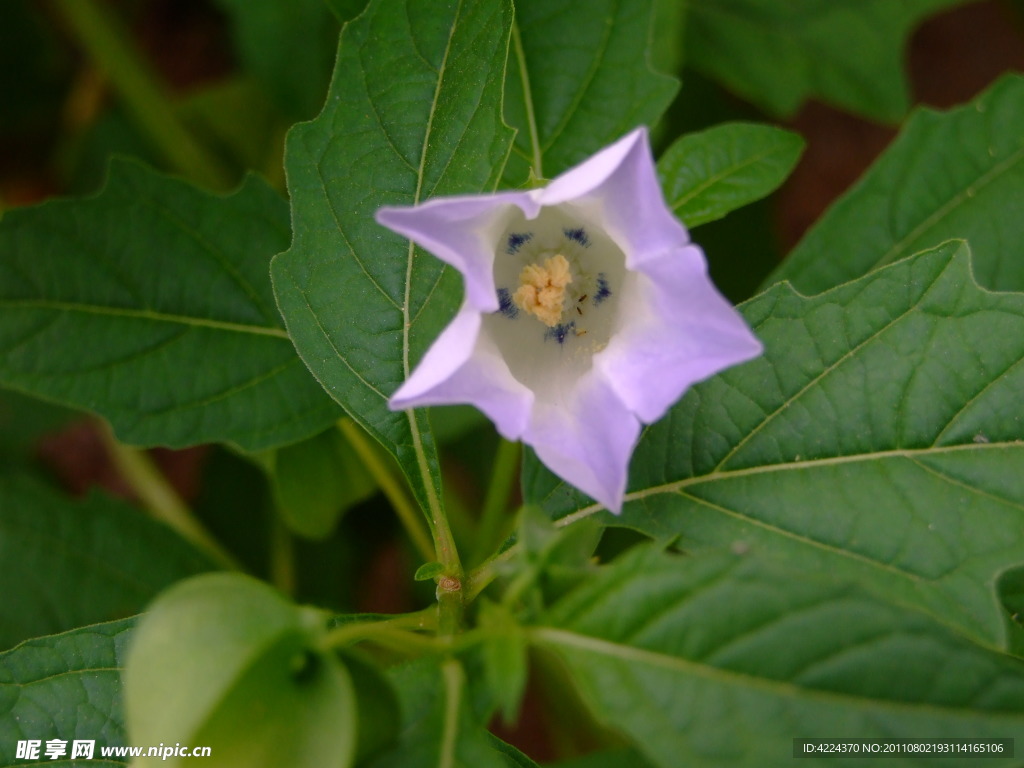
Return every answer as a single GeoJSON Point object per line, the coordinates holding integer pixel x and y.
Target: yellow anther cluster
{"type": "Point", "coordinates": [541, 291]}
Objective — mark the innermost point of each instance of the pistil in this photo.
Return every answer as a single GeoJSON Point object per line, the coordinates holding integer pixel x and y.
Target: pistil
{"type": "Point", "coordinates": [542, 289]}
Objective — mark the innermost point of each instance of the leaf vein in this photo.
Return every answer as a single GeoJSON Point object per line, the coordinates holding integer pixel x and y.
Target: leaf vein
{"type": "Point", "coordinates": [144, 314]}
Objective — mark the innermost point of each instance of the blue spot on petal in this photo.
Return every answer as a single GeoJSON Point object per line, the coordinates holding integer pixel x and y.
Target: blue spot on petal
{"type": "Point", "coordinates": [578, 235]}
{"type": "Point", "coordinates": [560, 332]}
{"type": "Point", "coordinates": [505, 304]}
{"type": "Point", "coordinates": [516, 241]}
{"type": "Point", "coordinates": [603, 291]}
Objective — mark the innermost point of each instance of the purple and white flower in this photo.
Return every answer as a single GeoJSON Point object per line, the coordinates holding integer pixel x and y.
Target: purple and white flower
{"type": "Point", "coordinates": [587, 313]}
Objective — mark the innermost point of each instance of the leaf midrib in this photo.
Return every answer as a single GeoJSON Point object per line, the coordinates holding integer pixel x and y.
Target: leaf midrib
{"type": "Point", "coordinates": [197, 236]}
{"type": "Point", "coordinates": [679, 487]}
{"type": "Point", "coordinates": [981, 182]}
{"type": "Point", "coordinates": [531, 117]}
{"type": "Point", "coordinates": [595, 65]}
{"type": "Point", "coordinates": [630, 654]}
{"type": "Point", "coordinates": [143, 314]}
{"type": "Point", "coordinates": [716, 179]}
{"type": "Point", "coordinates": [719, 475]}
{"type": "Point", "coordinates": [431, 488]}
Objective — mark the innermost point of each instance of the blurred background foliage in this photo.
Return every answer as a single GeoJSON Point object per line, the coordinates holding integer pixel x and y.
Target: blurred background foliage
{"type": "Point", "coordinates": [207, 89]}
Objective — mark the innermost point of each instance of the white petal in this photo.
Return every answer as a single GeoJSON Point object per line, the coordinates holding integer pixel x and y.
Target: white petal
{"type": "Point", "coordinates": [618, 190]}
{"type": "Point", "coordinates": [464, 366]}
{"type": "Point", "coordinates": [587, 439]}
{"type": "Point", "coordinates": [462, 232]}
{"type": "Point", "coordinates": [678, 330]}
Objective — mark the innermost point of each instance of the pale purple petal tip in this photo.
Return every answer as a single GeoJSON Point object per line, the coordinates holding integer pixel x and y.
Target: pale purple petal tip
{"type": "Point", "coordinates": [587, 440]}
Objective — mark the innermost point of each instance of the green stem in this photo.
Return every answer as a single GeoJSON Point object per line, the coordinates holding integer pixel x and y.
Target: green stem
{"type": "Point", "coordinates": [141, 91]}
{"type": "Point", "coordinates": [398, 628]}
{"type": "Point", "coordinates": [282, 555]}
{"type": "Point", "coordinates": [450, 606]}
{"type": "Point", "coordinates": [454, 685]}
{"type": "Point", "coordinates": [162, 500]}
{"type": "Point", "coordinates": [481, 576]}
{"type": "Point", "coordinates": [392, 489]}
{"type": "Point", "coordinates": [495, 521]}
{"type": "Point", "coordinates": [437, 519]}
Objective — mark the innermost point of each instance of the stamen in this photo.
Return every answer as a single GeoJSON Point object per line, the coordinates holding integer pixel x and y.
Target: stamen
{"type": "Point", "coordinates": [560, 332]}
{"type": "Point", "coordinates": [577, 235]}
{"type": "Point", "coordinates": [505, 304]}
{"type": "Point", "coordinates": [603, 291]}
{"type": "Point", "coordinates": [516, 241]}
{"type": "Point", "coordinates": [541, 291]}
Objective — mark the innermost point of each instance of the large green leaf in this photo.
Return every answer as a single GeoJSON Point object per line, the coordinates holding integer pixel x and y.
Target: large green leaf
{"type": "Point", "coordinates": [413, 112]}
{"type": "Point", "coordinates": [67, 687]}
{"type": "Point", "coordinates": [777, 54]}
{"type": "Point", "coordinates": [722, 660]}
{"type": "Point", "coordinates": [708, 174]}
{"type": "Point", "coordinates": [151, 305]}
{"type": "Point", "coordinates": [440, 727]}
{"type": "Point", "coordinates": [64, 564]}
{"type": "Point", "coordinates": [578, 79]}
{"type": "Point", "coordinates": [949, 174]}
{"type": "Point", "coordinates": [878, 438]}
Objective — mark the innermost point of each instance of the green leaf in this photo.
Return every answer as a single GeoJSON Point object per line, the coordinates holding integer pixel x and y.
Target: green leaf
{"type": "Point", "coordinates": [413, 112]}
{"type": "Point", "coordinates": [429, 571]}
{"type": "Point", "coordinates": [150, 304]}
{"type": "Point", "coordinates": [721, 660]}
{"type": "Point", "coordinates": [578, 79]}
{"type": "Point", "coordinates": [706, 175]}
{"type": "Point", "coordinates": [612, 758]}
{"type": "Point", "coordinates": [64, 564]}
{"type": "Point", "coordinates": [315, 481]}
{"type": "Point", "coordinates": [848, 53]}
{"type": "Point", "coordinates": [65, 686]}
{"type": "Point", "coordinates": [879, 438]}
{"type": "Point", "coordinates": [1011, 595]}
{"type": "Point", "coordinates": [224, 661]}
{"type": "Point", "coordinates": [552, 559]}
{"type": "Point", "coordinates": [346, 10]}
{"type": "Point", "coordinates": [667, 35]}
{"type": "Point", "coordinates": [504, 656]}
{"type": "Point", "coordinates": [23, 421]}
{"type": "Point", "coordinates": [440, 728]}
{"type": "Point", "coordinates": [956, 174]}
{"type": "Point", "coordinates": [377, 706]}
{"type": "Point", "coordinates": [288, 45]}
{"type": "Point", "coordinates": [512, 757]}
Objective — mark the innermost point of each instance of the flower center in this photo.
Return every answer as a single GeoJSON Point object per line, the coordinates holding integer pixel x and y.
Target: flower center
{"type": "Point", "coordinates": [560, 281]}
{"type": "Point", "coordinates": [542, 289]}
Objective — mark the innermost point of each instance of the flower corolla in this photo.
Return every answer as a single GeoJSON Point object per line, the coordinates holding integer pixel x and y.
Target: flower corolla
{"type": "Point", "coordinates": [587, 313]}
